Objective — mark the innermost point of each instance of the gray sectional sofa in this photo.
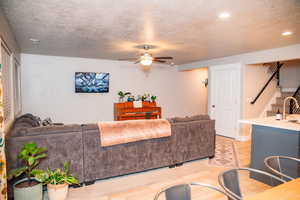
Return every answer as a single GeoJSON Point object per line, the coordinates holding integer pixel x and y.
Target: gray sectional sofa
{"type": "Point", "coordinates": [192, 138]}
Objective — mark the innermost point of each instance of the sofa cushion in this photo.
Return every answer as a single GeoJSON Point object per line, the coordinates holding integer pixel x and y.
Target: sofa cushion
{"type": "Point", "coordinates": [36, 121]}
{"type": "Point", "coordinates": [47, 122]}
{"type": "Point", "coordinates": [199, 117]}
{"type": "Point", "coordinates": [30, 122]}
{"type": "Point", "coordinates": [191, 118]}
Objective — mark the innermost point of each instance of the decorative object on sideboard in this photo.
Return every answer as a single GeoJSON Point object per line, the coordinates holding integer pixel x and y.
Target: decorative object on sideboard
{"type": "Point", "coordinates": [130, 98]}
{"type": "Point", "coordinates": [153, 98]}
{"type": "Point", "coordinates": [91, 82]}
{"type": "Point", "coordinates": [28, 188]}
{"type": "Point", "coordinates": [146, 97]}
{"type": "Point", "coordinates": [138, 104]}
{"type": "Point", "coordinates": [122, 95]}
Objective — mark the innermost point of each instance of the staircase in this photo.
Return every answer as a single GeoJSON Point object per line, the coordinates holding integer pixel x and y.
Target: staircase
{"type": "Point", "coordinates": [279, 104]}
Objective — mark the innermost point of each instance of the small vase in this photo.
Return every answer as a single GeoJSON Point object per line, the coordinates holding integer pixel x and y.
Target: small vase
{"type": "Point", "coordinates": [58, 192]}
{"type": "Point", "coordinates": [130, 99]}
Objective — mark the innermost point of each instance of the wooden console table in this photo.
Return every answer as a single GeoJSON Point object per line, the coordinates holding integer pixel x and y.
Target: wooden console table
{"type": "Point", "coordinates": [126, 111]}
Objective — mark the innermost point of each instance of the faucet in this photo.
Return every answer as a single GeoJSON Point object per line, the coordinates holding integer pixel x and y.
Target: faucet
{"type": "Point", "coordinates": [284, 102]}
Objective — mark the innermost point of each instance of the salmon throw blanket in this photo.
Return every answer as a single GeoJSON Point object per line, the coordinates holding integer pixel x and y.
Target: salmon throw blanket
{"type": "Point", "coordinates": [120, 132]}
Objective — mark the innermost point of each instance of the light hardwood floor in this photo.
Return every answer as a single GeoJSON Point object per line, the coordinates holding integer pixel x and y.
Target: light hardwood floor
{"type": "Point", "coordinates": [144, 186]}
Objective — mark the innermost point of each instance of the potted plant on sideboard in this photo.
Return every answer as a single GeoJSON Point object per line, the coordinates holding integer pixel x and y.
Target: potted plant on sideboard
{"type": "Point", "coordinates": [58, 182]}
{"type": "Point", "coordinates": [28, 188]}
{"type": "Point", "coordinates": [153, 98]}
{"type": "Point", "coordinates": [122, 95]}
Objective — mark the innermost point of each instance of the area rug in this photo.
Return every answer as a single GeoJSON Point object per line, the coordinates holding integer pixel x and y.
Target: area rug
{"type": "Point", "coordinates": [225, 153]}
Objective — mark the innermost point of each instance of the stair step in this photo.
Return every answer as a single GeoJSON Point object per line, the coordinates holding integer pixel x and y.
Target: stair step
{"type": "Point", "coordinates": [280, 106]}
{"type": "Point", "coordinates": [279, 100]}
{"type": "Point", "coordinates": [286, 94]}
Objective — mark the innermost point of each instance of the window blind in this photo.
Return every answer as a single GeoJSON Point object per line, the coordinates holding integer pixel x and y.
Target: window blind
{"type": "Point", "coordinates": [17, 88]}
{"type": "Point", "coordinates": [7, 85]}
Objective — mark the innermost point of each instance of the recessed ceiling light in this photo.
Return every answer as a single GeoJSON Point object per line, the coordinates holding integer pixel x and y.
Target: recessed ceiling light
{"type": "Point", "coordinates": [34, 40]}
{"type": "Point", "coordinates": [286, 33]}
{"type": "Point", "coordinates": [224, 15]}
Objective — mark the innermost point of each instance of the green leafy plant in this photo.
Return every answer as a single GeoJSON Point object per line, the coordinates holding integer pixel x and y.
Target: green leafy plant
{"type": "Point", "coordinates": [58, 176]}
{"type": "Point", "coordinates": [153, 98]}
{"type": "Point", "coordinates": [31, 155]}
{"type": "Point", "coordinates": [122, 95]}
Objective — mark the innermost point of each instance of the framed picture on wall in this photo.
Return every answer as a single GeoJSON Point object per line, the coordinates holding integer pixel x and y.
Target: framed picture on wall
{"type": "Point", "coordinates": [91, 82]}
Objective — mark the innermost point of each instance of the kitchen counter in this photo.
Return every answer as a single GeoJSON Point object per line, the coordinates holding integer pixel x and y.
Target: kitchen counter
{"type": "Point", "coordinates": [271, 137]}
{"type": "Point", "coordinates": [272, 122]}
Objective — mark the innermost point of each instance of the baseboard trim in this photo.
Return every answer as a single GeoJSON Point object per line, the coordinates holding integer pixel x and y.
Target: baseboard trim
{"type": "Point", "coordinates": [243, 138]}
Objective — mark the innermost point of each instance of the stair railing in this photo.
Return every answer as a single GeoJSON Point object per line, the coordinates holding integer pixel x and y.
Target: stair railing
{"type": "Point", "coordinates": [275, 74]}
{"type": "Point", "coordinates": [293, 108]}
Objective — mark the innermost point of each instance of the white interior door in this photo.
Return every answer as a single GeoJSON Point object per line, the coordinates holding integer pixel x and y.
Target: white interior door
{"type": "Point", "coordinates": [224, 98]}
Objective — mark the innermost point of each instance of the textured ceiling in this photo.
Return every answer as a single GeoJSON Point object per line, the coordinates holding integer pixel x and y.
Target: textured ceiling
{"type": "Point", "coordinates": [188, 30]}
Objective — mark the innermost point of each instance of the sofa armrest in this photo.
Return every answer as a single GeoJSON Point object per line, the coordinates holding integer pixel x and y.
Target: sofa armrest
{"type": "Point", "coordinates": [194, 139]}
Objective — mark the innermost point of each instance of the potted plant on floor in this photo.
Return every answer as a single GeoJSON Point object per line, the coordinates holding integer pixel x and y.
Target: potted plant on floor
{"type": "Point", "coordinates": [58, 182]}
{"type": "Point", "coordinates": [28, 188]}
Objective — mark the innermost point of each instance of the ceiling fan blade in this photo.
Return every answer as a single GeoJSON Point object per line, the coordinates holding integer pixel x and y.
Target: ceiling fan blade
{"type": "Point", "coordinates": [164, 57]}
{"type": "Point", "coordinates": [160, 61]}
{"type": "Point", "coordinates": [127, 59]}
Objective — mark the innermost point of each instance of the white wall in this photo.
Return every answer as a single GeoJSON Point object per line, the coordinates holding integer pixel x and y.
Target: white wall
{"type": "Point", "coordinates": [255, 77]}
{"type": "Point", "coordinates": [48, 88]}
{"type": "Point", "coordinates": [290, 74]}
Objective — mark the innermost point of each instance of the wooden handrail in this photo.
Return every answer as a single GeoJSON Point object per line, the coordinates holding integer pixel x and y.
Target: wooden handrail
{"type": "Point", "coordinates": [276, 73]}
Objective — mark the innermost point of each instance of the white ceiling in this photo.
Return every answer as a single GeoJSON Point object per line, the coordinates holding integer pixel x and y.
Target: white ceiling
{"type": "Point", "coordinates": [188, 30]}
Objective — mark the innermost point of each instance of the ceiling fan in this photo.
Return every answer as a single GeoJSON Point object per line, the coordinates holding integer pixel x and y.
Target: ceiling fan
{"type": "Point", "coordinates": [146, 58]}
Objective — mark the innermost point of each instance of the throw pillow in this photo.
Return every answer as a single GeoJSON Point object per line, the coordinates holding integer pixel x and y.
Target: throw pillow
{"type": "Point", "coordinates": [47, 122]}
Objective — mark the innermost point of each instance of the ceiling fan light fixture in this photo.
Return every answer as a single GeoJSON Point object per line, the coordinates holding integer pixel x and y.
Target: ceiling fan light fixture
{"type": "Point", "coordinates": [146, 59]}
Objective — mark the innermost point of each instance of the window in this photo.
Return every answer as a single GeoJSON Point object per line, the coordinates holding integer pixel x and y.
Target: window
{"type": "Point", "coordinates": [7, 84]}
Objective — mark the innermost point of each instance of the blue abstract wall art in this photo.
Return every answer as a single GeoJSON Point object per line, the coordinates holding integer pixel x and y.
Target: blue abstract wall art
{"type": "Point", "coordinates": [91, 82]}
